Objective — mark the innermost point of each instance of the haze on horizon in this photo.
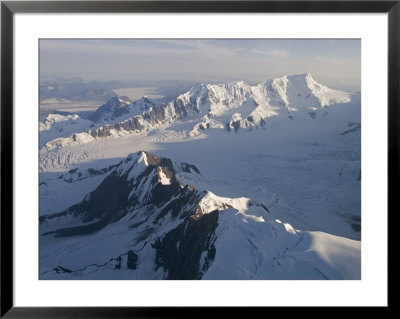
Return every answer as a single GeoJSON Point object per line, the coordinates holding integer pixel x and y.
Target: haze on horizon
{"type": "Point", "coordinates": [333, 62]}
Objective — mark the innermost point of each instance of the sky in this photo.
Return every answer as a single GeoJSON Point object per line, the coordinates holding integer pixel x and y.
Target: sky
{"type": "Point", "coordinates": [332, 62]}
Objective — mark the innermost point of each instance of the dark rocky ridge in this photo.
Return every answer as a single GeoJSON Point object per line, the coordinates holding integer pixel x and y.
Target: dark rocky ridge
{"type": "Point", "coordinates": [180, 250]}
{"type": "Point", "coordinates": [155, 115]}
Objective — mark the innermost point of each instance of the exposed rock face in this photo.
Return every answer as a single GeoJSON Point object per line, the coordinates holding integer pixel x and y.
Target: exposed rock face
{"type": "Point", "coordinates": [179, 252]}
{"type": "Point", "coordinates": [153, 115]}
{"type": "Point", "coordinates": [180, 108]}
{"type": "Point", "coordinates": [156, 114]}
{"type": "Point", "coordinates": [131, 124]}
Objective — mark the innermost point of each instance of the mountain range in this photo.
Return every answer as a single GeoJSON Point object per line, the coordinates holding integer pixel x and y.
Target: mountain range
{"type": "Point", "coordinates": [227, 181]}
{"type": "Point", "coordinates": [229, 106]}
{"type": "Point", "coordinates": [75, 90]}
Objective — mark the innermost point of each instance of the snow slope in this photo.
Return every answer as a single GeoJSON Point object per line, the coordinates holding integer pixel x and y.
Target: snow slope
{"type": "Point", "coordinates": [254, 249]}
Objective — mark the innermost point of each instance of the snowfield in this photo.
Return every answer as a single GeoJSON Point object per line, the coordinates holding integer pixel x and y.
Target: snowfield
{"type": "Point", "coordinates": [254, 249]}
{"type": "Point", "coordinates": [236, 182]}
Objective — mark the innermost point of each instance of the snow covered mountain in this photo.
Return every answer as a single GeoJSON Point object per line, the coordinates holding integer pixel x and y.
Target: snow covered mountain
{"type": "Point", "coordinates": [273, 190]}
{"type": "Point", "coordinates": [229, 106]}
{"type": "Point", "coordinates": [142, 222]}
{"type": "Point", "coordinates": [114, 107]}
{"type": "Point", "coordinates": [144, 192]}
{"type": "Point", "coordinates": [140, 180]}
{"type": "Point", "coordinates": [141, 105]}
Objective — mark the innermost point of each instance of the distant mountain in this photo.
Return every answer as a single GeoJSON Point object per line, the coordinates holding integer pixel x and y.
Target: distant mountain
{"type": "Point", "coordinates": [229, 106]}
{"type": "Point", "coordinates": [142, 105]}
{"type": "Point", "coordinates": [113, 108]}
{"type": "Point", "coordinates": [121, 106]}
{"type": "Point", "coordinates": [238, 105]}
{"type": "Point", "coordinates": [75, 90]}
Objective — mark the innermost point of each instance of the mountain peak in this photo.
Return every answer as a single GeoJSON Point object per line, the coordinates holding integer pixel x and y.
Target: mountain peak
{"type": "Point", "coordinates": [306, 76]}
{"type": "Point", "coordinates": [123, 99]}
{"type": "Point", "coordinates": [197, 87]}
{"type": "Point", "coordinates": [117, 101]}
{"type": "Point", "coordinates": [139, 106]}
{"type": "Point", "coordinates": [144, 98]}
{"type": "Point", "coordinates": [114, 107]}
{"type": "Point", "coordinates": [137, 162]}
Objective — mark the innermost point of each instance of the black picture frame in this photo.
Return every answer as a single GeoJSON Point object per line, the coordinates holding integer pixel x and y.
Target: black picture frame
{"type": "Point", "coordinates": [9, 8]}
